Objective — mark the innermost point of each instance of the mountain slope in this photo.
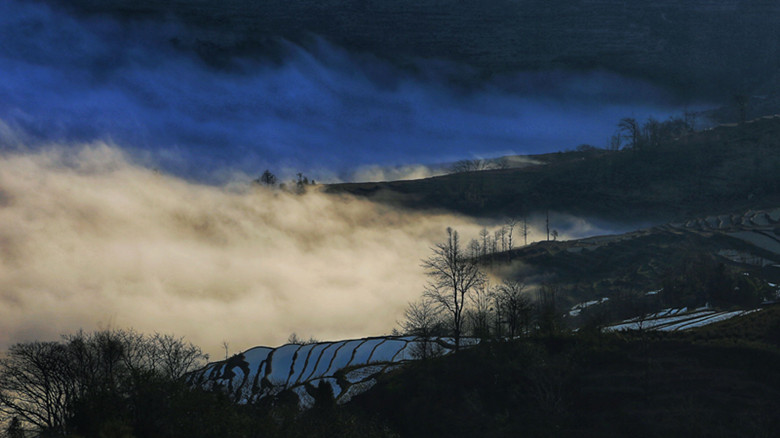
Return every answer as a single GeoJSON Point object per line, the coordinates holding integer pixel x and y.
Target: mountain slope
{"type": "Point", "coordinates": [717, 381]}
{"type": "Point", "coordinates": [350, 367]}
{"type": "Point", "coordinates": [725, 170]}
{"type": "Point", "coordinates": [673, 265]}
{"type": "Point", "coordinates": [697, 47]}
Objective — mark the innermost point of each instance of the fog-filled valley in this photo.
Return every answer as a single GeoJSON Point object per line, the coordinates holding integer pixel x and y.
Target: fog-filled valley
{"type": "Point", "coordinates": [389, 219]}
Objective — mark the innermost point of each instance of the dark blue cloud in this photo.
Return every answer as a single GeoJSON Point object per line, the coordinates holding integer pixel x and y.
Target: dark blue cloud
{"type": "Point", "coordinates": [321, 109]}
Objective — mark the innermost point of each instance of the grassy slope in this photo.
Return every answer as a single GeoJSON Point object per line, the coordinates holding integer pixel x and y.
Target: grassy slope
{"type": "Point", "coordinates": [719, 381]}
{"type": "Point", "coordinates": [725, 170]}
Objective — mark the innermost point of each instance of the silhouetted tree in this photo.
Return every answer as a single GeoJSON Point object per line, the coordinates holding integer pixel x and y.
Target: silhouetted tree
{"type": "Point", "coordinates": [515, 307]}
{"type": "Point", "coordinates": [267, 178]}
{"type": "Point", "coordinates": [510, 228]}
{"type": "Point", "coordinates": [90, 381]}
{"type": "Point", "coordinates": [485, 235]}
{"type": "Point", "coordinates": [468, 166]}
{"type": "Point", "coordinates": [632, 131]}
{"type": "Point", "coordinates": [548, 319]}
{"type": "Point", "coordinates": [423, 319]}
{"type": "Point", "coordinates": [15, 429]}
{"type": "Point", "coordinates": [36, 385]}
{"type": "Point", "coordinates": [453, 277]}
{"type": "Point", "coordinates": [479, 313]}
{"type": "Point", "coordinates": [615, 142]}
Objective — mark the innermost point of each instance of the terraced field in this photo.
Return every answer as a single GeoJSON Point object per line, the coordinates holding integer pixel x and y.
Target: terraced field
{"type": "Point", "coordinates": [350, 367]}
{"type": "Point", "coordinates": [670, 320]}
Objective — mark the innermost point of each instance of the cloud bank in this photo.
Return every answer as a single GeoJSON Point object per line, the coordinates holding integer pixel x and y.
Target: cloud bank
{"type": "Point", "coordinates": [87, 238]}
{"type": "Point", "coordinates": [317, 109]}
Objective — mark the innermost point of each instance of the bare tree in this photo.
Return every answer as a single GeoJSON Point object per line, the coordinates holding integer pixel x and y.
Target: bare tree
{"type": "Point", "coordinates": [41, 382]}
{"type": "Point", "coordinates": [615, 141]}
{"type": "Point", "coordinates": [501, 235]}
{"type": "Point", "coordinates": [632, 131]}
{"type": "Point", "coordinates": [468, 166]}
{"type": "Point", "coordinates": [485, 235]}
{"type": "Point", "coordinates": [548, 318]}
{"type": "Point", "coordinates": [474, 248]}
{"type": "Point", "coordinates": [525, 231]}
{"type": "Point", "coordinates": [423, 319]}
{"type": "Point", "coordinates": [478, 314]}
{"type": "Point", "coordinates": [35, 385]}
{"type": "Point", "coordinates": [515, 306]}
{"type": "Point", "coordinates": [453, 277]}
{"type": "Point", "coordinates": [547, 224]}
{"type": "Point", "coordinates": [176, 356]}
{"type": "Point", "coordinates": [510, 228]}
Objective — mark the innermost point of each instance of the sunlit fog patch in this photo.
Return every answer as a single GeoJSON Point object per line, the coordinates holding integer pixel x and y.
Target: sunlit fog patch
{"type": "Point", "coordinates": [376, 173]}
{"type": "Point", "coordinates": [73, 79]}
{"type": "Point", "coordinates": [90, 238]}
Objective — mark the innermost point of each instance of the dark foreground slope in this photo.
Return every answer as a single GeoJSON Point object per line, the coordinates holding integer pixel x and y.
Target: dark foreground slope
{"type": "Point", "coordinates": [719, 171]}
{"type": "Point", "coordinates": [720, 381]}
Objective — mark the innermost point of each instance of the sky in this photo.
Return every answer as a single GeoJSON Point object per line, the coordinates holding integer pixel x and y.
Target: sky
{"type": "Point", "coordinates": [321, 110]}
{"type": "Point", "coordinates": [124, 170]}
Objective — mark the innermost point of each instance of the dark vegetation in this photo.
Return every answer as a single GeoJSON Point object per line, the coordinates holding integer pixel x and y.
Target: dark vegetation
{"type": "Point", "coordinates": [684, 265]}
{"type": "Point", "coordinates": [716, 381]}
{"type": "Point", "coordinates": [721, 381]}
{"type": "Point", "coordinates": [121, 384]}
{"type": "Point", "coordinates": [723, 170]}
{"type": "Point", "coordinates": [631, 277]}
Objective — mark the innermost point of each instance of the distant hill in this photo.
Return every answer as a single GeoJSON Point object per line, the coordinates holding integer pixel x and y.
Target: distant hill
{"type": "Point", "coordinates": [690, 259]}
{"type": "Point", "coordinates": [725, 170]}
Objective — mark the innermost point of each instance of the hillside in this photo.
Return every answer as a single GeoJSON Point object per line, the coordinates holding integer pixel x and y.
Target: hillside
{"type": "Point", "coordinates": [718, 381]}
{"type": "Point", "coordinates": [725, 170]}
{"type": "Point", "coordinates": [697, 47]}
{"type": "Point", "coordinates": [628, 265]}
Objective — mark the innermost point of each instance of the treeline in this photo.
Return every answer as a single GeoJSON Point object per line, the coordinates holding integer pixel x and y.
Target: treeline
{"type": "Point", "coordinates": [268, 179]}
{"type": "Point", "coordinates": [701, 280]}
{"type": "Point", "coordinates": [697, 383]}
{"type": "Point", "coordinates": [477, 164]}
{"type": "Point", "coordinates": [653, 133]}
{"type": "Point", "coordinates": [107, 383]}
{"type": "Point", "coordinates": [460, 301]}
{"type": "Point", "coordinates": [122, 384]}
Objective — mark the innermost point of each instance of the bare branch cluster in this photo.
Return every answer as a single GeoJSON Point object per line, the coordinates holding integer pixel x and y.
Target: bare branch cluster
{"type": "Point", "coordinates": [41, 383]}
